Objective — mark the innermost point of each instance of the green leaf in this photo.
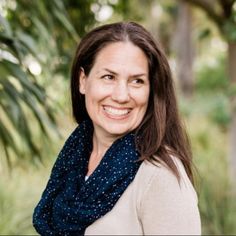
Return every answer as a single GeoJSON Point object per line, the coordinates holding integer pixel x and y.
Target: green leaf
{"type": "Point", "coordinates": [29, 43]}
{"type": "Point", "coordinates": [6, 26]}
{"type": "Point", "coordinates": [64, 21]}
{"type": "Point", "coordinates": [15, 71]}
{"type": "Point", "coordinates": [22, 123]}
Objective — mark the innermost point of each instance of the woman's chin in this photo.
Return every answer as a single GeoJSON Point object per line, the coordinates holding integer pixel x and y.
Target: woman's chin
{"type": "Point", "coordinates": [118, 130]}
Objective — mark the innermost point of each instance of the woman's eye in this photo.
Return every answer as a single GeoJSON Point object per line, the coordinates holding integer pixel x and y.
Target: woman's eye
{"type": "Point", "coordinates": [108, 77]}
{"type": "Point", "coordinates": [138, 81]}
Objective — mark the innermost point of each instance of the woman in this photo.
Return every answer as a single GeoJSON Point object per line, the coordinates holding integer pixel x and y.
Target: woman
{"type": "Point", "coordinates": [126, 169]}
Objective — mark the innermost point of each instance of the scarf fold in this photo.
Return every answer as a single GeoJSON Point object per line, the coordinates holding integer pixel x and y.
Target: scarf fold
{"type": "Point", "coordinates": [69, 204]}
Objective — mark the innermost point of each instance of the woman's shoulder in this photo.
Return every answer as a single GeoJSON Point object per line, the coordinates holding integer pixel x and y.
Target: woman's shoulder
{"type": "Point", "coordinates": [163, 200]}
{"type": "Point", "coordinates": [160, 169]}
{"type": "Point", "coordinates": [157, 174]}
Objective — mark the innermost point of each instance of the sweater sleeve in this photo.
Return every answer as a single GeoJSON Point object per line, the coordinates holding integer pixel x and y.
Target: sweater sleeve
{"type": "Point", "coordinates": [169, 207]}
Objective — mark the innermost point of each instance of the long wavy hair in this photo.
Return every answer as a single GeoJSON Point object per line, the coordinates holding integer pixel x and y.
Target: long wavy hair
{"type": "Point", "coordinates": [160, 134]}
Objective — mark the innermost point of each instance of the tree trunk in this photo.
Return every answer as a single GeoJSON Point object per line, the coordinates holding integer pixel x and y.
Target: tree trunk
{"type": "Point", "coordinates": [232, 131]}
{"type": "Point", "coordinates": [184, 49]}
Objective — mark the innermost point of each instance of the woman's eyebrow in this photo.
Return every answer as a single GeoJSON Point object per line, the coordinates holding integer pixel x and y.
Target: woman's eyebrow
{"type": "Point", "coordinates": [134, 75]}
{"type": "Point", "coordinates": [110, 71]}
{"type": "Point", "coordinates": [139, 75]}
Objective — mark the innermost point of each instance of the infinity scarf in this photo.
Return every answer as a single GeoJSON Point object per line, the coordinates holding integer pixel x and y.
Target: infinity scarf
{"type": "Point", "coordinates": [69, 204]}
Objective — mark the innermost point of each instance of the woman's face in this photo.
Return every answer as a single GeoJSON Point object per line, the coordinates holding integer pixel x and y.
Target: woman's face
{"type": "Point", "coordinates": [117, 89]}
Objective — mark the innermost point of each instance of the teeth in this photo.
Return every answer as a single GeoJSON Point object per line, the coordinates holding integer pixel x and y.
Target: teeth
{"type": "Point", "coordinates": [114, 111]}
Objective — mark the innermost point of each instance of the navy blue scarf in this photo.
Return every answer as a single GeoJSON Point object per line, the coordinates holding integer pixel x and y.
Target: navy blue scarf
{"type": "Point", "coordinates": [69, 204]}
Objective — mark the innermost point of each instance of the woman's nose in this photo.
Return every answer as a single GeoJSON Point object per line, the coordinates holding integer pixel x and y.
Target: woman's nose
{"type": "Point", "coordinates": [121, 93]}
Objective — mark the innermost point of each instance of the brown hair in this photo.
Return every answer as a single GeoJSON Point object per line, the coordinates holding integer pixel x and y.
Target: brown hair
{"type": "Point", "coordinates": [160, 134]}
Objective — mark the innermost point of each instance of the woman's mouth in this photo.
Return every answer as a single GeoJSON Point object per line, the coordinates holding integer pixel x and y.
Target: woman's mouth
{"type": "Point", "coordinates": [116, 112]}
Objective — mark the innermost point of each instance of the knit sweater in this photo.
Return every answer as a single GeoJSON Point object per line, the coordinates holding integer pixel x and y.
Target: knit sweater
{"type": "Point", "coordinates": [155, 203]}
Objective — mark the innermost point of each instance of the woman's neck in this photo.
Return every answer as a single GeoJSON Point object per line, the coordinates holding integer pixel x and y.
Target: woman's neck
{"type": "Point", "coordinates": [101, 144]}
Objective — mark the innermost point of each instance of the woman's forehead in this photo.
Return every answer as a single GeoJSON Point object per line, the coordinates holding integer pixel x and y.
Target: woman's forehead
{"type": "Point", "coordinates": [121, 55]}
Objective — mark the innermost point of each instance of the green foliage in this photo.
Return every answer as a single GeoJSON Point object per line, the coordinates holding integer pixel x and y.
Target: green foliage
{"type": "Point", "coordinates": [228, 26]}
{"type": "Point", "coordinates": [212, 82]}
{"type": "Point", "coordinates": [212, 78]}
{"type": "Point", "coordinates": [220, 112]}
{"type": "Point", "coordinates": [24, 104]}
{"type": "Point", "coordinates": [209, 141]}
{"type": "Point", "coordinates": [47, 28]}
{"type": "Point", "coordinates": [125, 9]}
{"type": "Point", "coordinates": [204, 33]}
{"type": "Point", "coordinates": [19, 94]}
{"type": "Point", "coordinates": [230, 31]}
{"type": "Point", "coordinates": [217, 205]}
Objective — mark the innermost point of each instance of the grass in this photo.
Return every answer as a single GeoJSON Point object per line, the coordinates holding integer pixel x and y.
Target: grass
{"type": "Point", "coordinates": [20, 190]}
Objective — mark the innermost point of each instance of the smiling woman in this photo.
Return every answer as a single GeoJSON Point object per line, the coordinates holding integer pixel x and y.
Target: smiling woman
{"type": "Point", "coordinates": [126, 169]}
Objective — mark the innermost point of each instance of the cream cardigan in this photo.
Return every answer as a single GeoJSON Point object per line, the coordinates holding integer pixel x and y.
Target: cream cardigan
{"type": "Point", "coordinates": [153, 204]}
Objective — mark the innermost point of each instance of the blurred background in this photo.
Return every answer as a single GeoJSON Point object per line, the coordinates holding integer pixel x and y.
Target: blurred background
{"type": "Point", "coordinates": [37, 43]}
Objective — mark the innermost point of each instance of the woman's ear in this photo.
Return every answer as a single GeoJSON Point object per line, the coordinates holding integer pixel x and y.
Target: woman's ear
{"type": "Point", "coordinates": [82, 81]}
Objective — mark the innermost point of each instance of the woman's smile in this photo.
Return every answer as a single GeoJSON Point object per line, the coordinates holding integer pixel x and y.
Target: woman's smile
{"type": "Point", "coordinates": [116, 113]}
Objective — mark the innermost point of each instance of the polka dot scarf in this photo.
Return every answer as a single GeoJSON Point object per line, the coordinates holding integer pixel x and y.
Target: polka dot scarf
{"type": "Point", "coordinates": [69, 204]}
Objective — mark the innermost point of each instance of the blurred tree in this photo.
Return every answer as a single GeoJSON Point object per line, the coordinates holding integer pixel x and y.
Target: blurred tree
{"type": "Point", "coordinates": [223, 14]}
{"type": "Point", "coordinates": [161, 22]}
{"type": "Point", "coordinates": [183, 45]}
